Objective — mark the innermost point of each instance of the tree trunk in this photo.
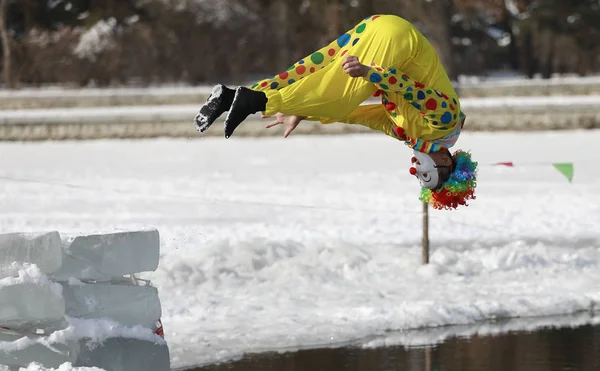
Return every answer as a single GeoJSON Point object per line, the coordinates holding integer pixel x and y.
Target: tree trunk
{"type": "Point", "coordinates": [549, 65]}
{"type": "Point", "coordinates": [332, 15]}
{"type": "Point", "coordinates": [283, 25]}
{"type": "Point", "coordinates": [6, 52]}
{"type": "Point", "coordinates": [528, 65]}
{"type": "Point", "coordinates": [513, 50]}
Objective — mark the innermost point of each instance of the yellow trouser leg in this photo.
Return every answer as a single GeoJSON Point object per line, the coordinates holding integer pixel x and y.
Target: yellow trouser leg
{"type": "Point", "coordinates": [331, 93]}
{"type": "Point", "coordinates": [299, 70]}
{"type": "Point", "coordinates": [373, 116]}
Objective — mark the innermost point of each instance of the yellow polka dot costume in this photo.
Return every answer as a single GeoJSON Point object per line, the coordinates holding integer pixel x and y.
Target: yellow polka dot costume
{"type": "Point", "coordinates": [418, 102]}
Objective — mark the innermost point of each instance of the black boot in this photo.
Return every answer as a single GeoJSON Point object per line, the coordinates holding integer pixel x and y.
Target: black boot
{"type": "Point", "coordinates": [218, 102]}
{"type": "Point", "coordinates": [245, 103]}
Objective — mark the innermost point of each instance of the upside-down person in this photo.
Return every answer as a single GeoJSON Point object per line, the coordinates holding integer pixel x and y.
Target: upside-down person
{"type": "Point", "coordinates": [386, 56]}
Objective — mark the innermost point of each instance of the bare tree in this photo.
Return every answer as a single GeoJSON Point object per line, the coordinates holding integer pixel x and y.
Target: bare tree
{"type": "Point", "coordinates": [6, 47]}
{"type": "Point", "coordinates": [433, 17]}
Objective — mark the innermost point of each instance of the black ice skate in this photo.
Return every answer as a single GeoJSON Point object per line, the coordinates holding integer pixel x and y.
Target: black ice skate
{"type": "Point", "coordinates": [218, 102]}
{"type": "Point", "coordinates": [246, 102]}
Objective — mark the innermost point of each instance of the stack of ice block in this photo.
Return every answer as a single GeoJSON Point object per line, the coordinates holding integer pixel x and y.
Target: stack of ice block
{"type": "Point", "coordinates": [48, 279]}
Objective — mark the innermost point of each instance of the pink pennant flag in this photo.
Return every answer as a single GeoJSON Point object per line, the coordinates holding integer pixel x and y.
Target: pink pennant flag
{"type": "Point", "coordinates": [510, 164]}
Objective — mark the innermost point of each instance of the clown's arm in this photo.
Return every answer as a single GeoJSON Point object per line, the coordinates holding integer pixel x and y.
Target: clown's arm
{"type": "Point", "coordinates": [435, 106]}
{"type": "Point", "coordinates": [373, 116]}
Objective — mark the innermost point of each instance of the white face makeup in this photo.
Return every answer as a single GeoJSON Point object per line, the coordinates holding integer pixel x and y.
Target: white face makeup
{"type": "Point", "coordinates": [426, 172]}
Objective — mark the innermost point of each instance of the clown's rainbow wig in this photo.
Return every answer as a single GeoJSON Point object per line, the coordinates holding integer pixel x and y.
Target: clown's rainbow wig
{"type": "Point", "coordinates": [458, 189]}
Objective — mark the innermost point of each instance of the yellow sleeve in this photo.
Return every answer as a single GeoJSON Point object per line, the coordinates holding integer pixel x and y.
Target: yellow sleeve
{"type": "Point", "coordinates": [438, 108]}
{"type": "Point", "coordinates": [373, 116]}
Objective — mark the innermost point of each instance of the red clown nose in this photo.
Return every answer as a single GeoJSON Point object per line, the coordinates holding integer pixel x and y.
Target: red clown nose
{"type": "Point", "coordinates": [413, 171]}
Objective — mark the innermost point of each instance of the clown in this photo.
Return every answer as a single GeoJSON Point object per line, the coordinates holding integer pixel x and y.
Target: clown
{"type": "Point", "coordinates": [383, 56]}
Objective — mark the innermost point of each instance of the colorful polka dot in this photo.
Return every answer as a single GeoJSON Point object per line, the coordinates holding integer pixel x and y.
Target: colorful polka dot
{"type": "Point", "coordinates": [331, 52]}
{"type": "Point", "coordinates": [264, 83]}
{"type": "Point", "coordinates": [408, 96]}
{"type": "Point", "coordinates": [393, 80]}
{"type": "Point", "coordinates": [274, 85]}
{"type": "Point", "coordinates": [301, 61]}
{"type": "Point", "coordinates": [429, 91]}
{"type": "Point", "coordinates": [300, 70]}
{"type": "Point", "coordinates": [446, 118]}
{"type": "Point", "coordinates": [384, 86]}
{"type": "Point", "coordinates": [395, 114]}
{"type": "Point", "coordinates": [317, 58]}
{"type": "Point", "coordinates": [454, 101]}
{"type": "Point", "coordinates": [421, 95]}
{"type": "Point", "coordinates": [419, 85]}
{"type": "Point", "coordinates": [393, 70]}
{"type": "Point", "coordinates": [368, 17]}
{"type": "Point", "coordinates": [375, 77]}
{"type": "Point", "coordinates": [355, 41]}
{"type": "Point", "coordinates": [417, 105]}
{"type": "Point", "coordinates": [375, 17]}
{"type": "Point", "coordinates": [361, 28]}
{"type": "Point", "coordinates": [405, 77]}
{"type": "Point", "coordinates": [344, 52]}
{"type": "Point", "coordinates": [312, 69]}
{"type": "Point", "coordinates": [409, 88]}
{"type": "Point", "coordinates": [343, 40]}
{"type": "Point", "coordinates": [431, 104]}
{"type": "Point", "coordinates": [444, 104]}
{"type": "Point", "coordinates": [283, 75]}
{"type": "Point", "coordinates": [451, 107]}
{"type": "Point", "coordinates": [291, 81]}
{"type": "Point", "coordinates": [255, 86]}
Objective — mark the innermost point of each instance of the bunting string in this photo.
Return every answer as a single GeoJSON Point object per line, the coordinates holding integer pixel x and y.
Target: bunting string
{"type": "Point", "coordinates": [565, 168]}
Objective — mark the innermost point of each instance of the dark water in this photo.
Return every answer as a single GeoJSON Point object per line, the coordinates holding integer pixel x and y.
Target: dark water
{"type": "Point", "coordinates": [563, 349]}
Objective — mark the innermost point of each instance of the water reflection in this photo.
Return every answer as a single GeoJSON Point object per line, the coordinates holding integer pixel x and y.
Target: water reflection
{"type": "Point", "coordinates": [559, 349]}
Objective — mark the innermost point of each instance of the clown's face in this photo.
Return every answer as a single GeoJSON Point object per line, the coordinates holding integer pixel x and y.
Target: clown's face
{"type": "Point", "coordinates": [425, 170]}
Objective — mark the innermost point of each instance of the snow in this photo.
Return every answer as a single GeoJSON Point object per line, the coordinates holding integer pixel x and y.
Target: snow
{"type": "Point", "coordinates": [185, 111]}
{"type": "Point", "coordinates": [31, 274]}
{"type": "Point", "coordinates": [505, 79]}
{"type": "Point", "coordinates": [96, 40]}
{"type": "Point", "coordinates": [64, 367]}
{"type": "Point", "coordinates": [279, 243]}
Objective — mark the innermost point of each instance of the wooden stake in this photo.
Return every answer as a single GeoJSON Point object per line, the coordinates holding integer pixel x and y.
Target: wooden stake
{"type": "Point", "coordinates": [425, 242]}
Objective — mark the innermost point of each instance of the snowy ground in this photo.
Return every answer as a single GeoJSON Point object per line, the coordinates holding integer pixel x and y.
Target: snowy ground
{"type": "Point", "coordinates": [277, 243]}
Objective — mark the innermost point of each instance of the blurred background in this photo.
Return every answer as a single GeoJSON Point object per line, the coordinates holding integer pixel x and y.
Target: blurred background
{"type": "Point", "coordinates": [148, 42]}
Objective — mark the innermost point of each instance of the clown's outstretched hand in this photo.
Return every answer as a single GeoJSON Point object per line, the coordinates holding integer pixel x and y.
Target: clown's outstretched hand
{"type": "Point", "coordinates": [291, 121]}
